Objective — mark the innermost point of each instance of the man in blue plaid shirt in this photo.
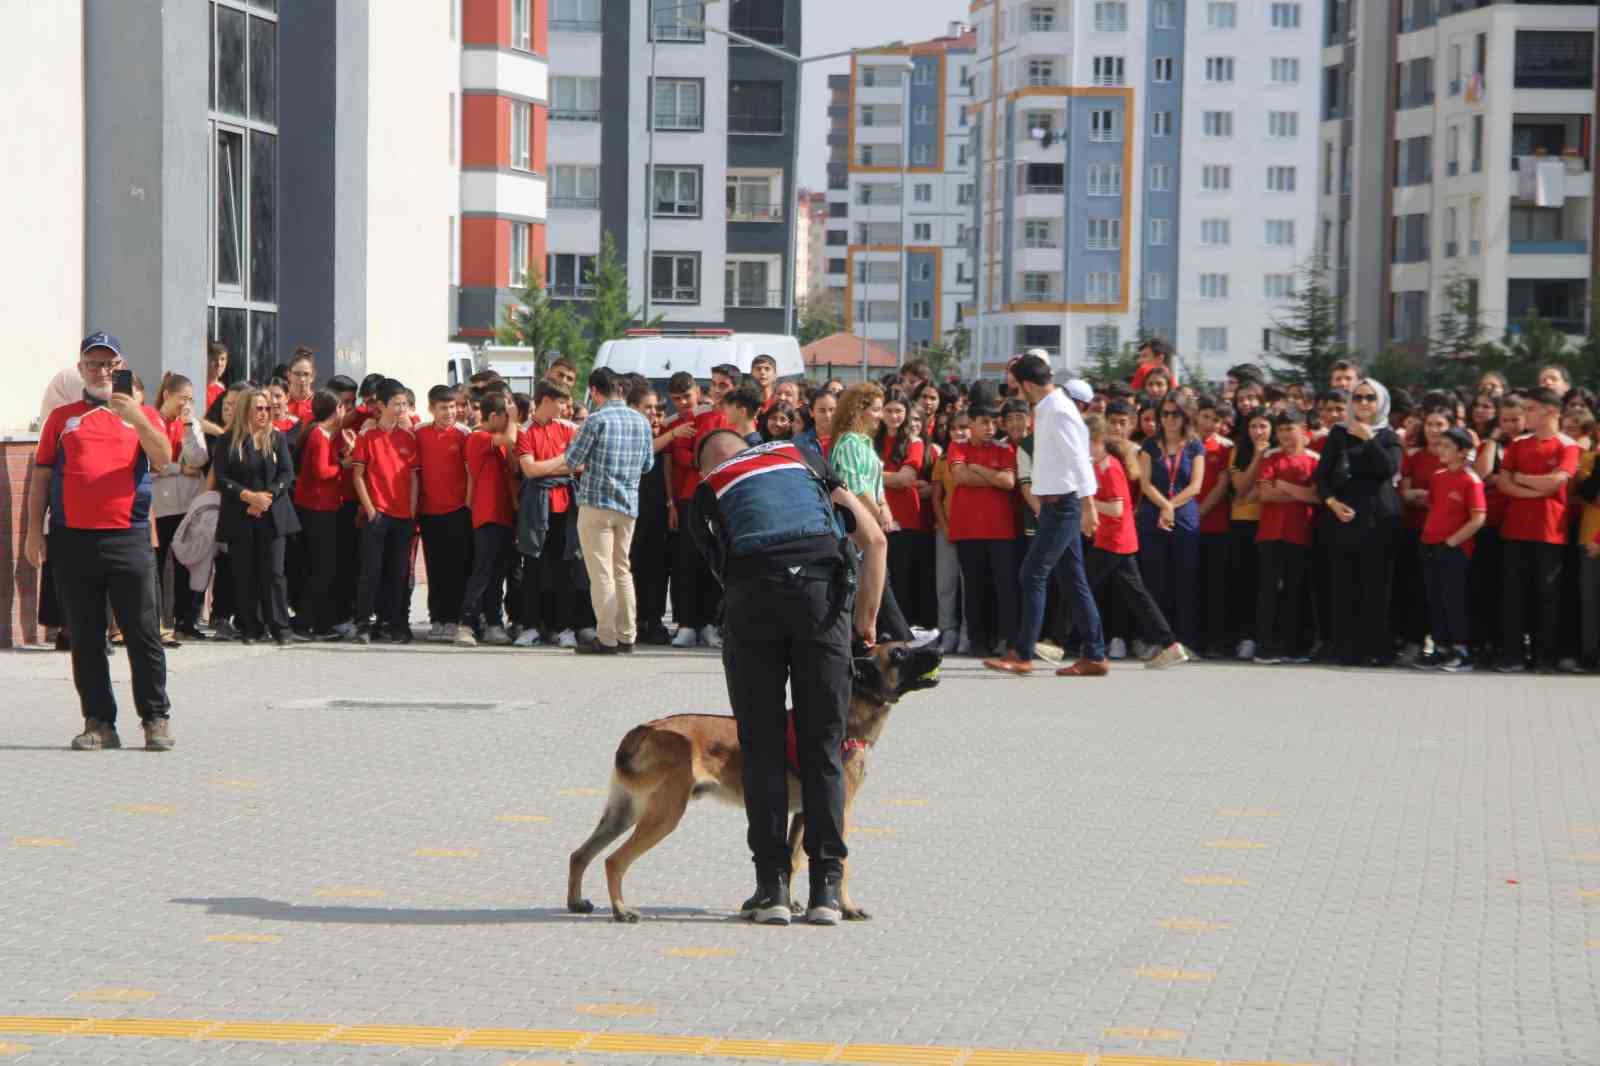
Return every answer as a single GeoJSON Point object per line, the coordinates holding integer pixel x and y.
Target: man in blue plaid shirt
{"type": "Point", "coordinates": [611, 452]}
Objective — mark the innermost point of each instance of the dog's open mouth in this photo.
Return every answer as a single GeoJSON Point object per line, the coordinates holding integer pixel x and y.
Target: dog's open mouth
{"type": "Point", "coordinates": [921, 670]}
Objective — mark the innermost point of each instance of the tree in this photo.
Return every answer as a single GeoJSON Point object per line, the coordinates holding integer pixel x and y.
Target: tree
{"type": "Point", "coordinates": [1458, 331]}
{"type": "Point", "coordinates": [1112, 362]}
{"type": "Point", "coordinates": [537, 322]}
{"type": "Point", "coordinates": [1310, 329]}
{"type": "Point", "coordinates": [817, 320]}
{"type": "Point", "coordinates": [951, 352]}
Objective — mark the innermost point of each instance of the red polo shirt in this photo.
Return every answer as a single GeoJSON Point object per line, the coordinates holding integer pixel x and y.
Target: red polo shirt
{"type": "Point", "coordinates": [1289, 522]}
{"type": "Point", "coordinates": [301, 409]}
{"type": "Point", "coordinates": [1218, 448]}
{"type": "Point", "coordinates": [546, 442]}
{"type": "Point", "coordinates": [685, 477]}
{"type": "Point", "coordinates": [319, 484]}
{"type": "Point", "coordinates": [1420, 466]}
{"type": "Point", "coordinates": [982, 512]}
{"type": "Point", "coordinates": [442, 460]}
{"type": "Point", "coordinates": [100, 476]}
{"type": "Point", "coordinates": [1452, 497]}
{"type": "Point", "coordinates": [1543, 520]}
{"type": "Point", "coordinates": [904, 504]}
{"type": "Point", "coordinates": [389, 458]}
{"type": "Point", "coordinates": [1116, 534]}
{"type": "Point", "coordinates": [491, 482]}
{"type": "Point", "coordinates": [213, 390]}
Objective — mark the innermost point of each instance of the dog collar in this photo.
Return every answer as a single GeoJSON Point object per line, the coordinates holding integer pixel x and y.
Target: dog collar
{"type": "Point", "coordinates": [852, 745]}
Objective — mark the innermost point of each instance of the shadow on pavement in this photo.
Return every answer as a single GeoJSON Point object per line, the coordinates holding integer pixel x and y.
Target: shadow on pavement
{"type": "Point", "coordinates": [274, 911]}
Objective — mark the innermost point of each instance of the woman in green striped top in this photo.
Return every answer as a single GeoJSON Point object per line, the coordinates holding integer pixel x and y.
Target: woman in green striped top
{"type": "Point", "coordinates": [855, 458]}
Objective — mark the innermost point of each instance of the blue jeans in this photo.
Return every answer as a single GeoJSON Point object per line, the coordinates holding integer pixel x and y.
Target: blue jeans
{"type": "Point", "coordinates": [1059, 542]}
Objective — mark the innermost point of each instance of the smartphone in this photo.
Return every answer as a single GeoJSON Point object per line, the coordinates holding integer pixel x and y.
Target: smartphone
{"type": "Point", "coordinates": [122, 382]}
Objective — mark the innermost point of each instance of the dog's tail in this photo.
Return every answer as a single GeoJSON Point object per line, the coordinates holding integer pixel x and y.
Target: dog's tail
{"type": "Point", "coordinates": [630, 753]}
{"type": "Point", "coordinates": [646, 752]}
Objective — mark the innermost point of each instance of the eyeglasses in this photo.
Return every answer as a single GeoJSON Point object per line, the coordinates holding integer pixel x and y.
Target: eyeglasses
{"type": "Point", "coordinates": [99, 366]}
{"type": "Point", "coordinates": [1365, 397]}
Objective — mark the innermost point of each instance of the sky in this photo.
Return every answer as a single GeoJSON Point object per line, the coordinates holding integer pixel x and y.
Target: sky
{"type": "Point", "coordinates": [834, 25]}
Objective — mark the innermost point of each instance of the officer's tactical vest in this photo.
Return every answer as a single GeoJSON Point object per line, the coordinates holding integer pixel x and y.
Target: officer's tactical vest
{"type": "Point", "coordinates": [768, 495]}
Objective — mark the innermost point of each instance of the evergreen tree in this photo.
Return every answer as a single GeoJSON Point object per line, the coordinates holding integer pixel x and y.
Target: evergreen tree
{"type": "Point", "coordinates": [537, 322]}
{"type": "Point", "coordinates": [1310, 329]}
{"type": "Point", "coordinates": [1113, 362]}
{"type": "Point", "coordinates": [817, 320]}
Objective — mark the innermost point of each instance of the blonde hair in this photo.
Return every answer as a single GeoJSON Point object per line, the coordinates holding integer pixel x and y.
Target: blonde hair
{"type": "Point", "coordinates": [239, 425]}
{"type": "Point", "coordinates": [853, 401]}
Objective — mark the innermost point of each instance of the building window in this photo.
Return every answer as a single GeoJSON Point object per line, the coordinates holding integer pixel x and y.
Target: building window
{"type": "Point", "coordinates": [922, 115]}
{"type": "Point", "coordinates": [1280, 232]}
{"type": "Point", "coordinates": [1222, 15]}
{"type": "Point", "coordinates": [1161, 231]}
{"type": "Point", "coordinates": [925, 73]}
{"type": "Point", "coordinates": [1041, 19]}
{"type": "Point", "coordinates": [760, 20]}
{"type": "Point", "coordinates": [1161, 71]}
{"type": "Point", "coordinates": [1041, 72]}
{"type": "Point", "coordinates": [1161, 177]}
{"type": "Point", "coordinates": [1100, 338]}
{"type": "Point", "coordinates": [575, 187]}
{"type": "Point", "coordinates": [1216, 232]}
{"type": "Point", "coordinates": [921, 155]}
{"type": "Point", "coordinates": [520, 244]}
{"type": "Point", "coordinates": [921, 310]}
{"type": "Point", "coordinates": [574, 99]}
{"type": "Point", "coordinates": [521, 133]}
{"type": "Point", "coordinates": [1166, 14]}
{"type": "Point", "coordinates": [568, 276]}
{"type": "Point", "coordinates": [1105, 179]}
{"type": "Point", "coordinates": [1038, 288]}
{"type": "Point", "coordinates": [1285, 124]}
{"type": "Point", "coordinates": [1157, 287]}
{"type": "Point", "coordinates": [1038, 233]}
{"type": "Point", "coordinates": [755, 107]}
{"type": "Point", "coordinates": [522, 25]}
{"type": "Point", "coordinates": [924, 270]}
{"type": "Point", "coordinates": [1277, 286]}
{"type": "Point", "coordinates": [1285, 71]}
{"type": "Point", "coordinates": [966, 193]}
{"type": "Point", "coordinates": [675, 277]}
{"type": "Point", "coordinates": [1105, 234]}
{"type": "Point", "coordinates": [679, 104]}
{"type": "Point", "coordinates": [677, 192]}
{"type": "Point", "coordinates": [1216, 177]}
{"type": "Point", "coordinates": [1554, 59]}
{"type": "Point", "coordinates": [675, 20]}
{"type": "Point", "coordinates": [1219, 69]}
{"type": "Point", "coordinates": [1280, 179]}
{"type": "Point", "coordinates": [751, 198]}
{"type": "Point", "coordinates": [1110, 70]}
{"type": "Point", "coordinates": [1285, 16]}
{"type": "Point", "coordinates": [922, 231]}
{"type": "Point", "coordinates": [750, 283]}
{"type": "Point", "coordinates": [575, 16]}
{"type": "Point", "coordinates": [1213, 339]}
{"type": "Point", "coordinates": [1105, 125]}
{"type": "Point", "coordinates": [1102, 287]}
{"type": "Point", "coordinates": [1110, 16]}
{"type": "Point", "coordinates": [1217, 123]}
{"type": "Point", "coordinates": [1213, 286]}
{"type": "Point", "coordinates": [1413, 160]}
{"type": "Point", "coordinates": [1408, 315]}
{"type": "Point", "coordinates": [922, 192]}
{"type": "Point", "coordinates": [1161, 123]}
{"type": "Point", "coordinates": [838, 238]}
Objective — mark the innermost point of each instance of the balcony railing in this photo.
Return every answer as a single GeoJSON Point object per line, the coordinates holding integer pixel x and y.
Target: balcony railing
{"type": "Point", "coordinates": [574, 114]}
{"type": "Point", "coordinates": [1041, 296]}
{"type": "Point", "coordinates": [675, 294]}
{"type": "Point", "coordinates": [1031, 189]}
{"type": "Point", "coordinates": [747, 212]}
{"type": "Point", "coordinates": [1579, 247]}
{"type": "Point", "coordinates": [753, 298]}
{"type": "Point", "coordinates": [570, 292]}
{"type": "Point", "coordinates": [575, 203]}
{"type": "Point", "coordinates": [765, 34]}
{"type": "Point", "coordinates": [675, 120]}
{"type": "Point", "coordinates": [1040, 242]}
{"type": "Point", "coordinates": [764, 125]}
{"type": "Point", "coordinates": [678, 31]}
{"type": "Point", "coordinates": [576, 26]}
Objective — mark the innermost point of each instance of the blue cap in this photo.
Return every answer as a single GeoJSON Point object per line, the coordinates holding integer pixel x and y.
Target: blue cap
{"type": "Point", "coordinates": [101, 339]}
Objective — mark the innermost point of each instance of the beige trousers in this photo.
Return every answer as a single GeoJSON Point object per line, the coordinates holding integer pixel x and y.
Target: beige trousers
{"type": "Point", "coordinates": [606, 537]}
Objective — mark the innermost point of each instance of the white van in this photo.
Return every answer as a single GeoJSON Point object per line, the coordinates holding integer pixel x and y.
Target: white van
{"type": "Point", "coordinates": [660, 353]}
{"type": "Point", "coordinates": [515, 365]}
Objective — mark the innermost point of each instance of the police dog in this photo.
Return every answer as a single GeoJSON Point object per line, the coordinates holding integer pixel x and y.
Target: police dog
{"type": "Point", "coordinates": [663, 764]}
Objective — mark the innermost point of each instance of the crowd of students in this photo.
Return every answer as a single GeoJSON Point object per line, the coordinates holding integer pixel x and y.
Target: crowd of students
{"type": "Point", "coordinates": [1267, 523]}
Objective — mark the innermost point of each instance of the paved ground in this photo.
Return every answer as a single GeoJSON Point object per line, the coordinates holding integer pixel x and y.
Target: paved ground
{"type": "Point", "coordinates": [1218, 863]}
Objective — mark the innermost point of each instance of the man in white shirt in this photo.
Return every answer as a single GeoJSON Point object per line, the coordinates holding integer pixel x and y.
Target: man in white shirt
{"type": "Point", "coordinates": [1063, 477]}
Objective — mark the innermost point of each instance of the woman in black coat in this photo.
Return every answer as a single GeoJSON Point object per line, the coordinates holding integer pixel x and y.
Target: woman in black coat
{"type": "Point", "coordinates": [1356, 480]}
{"type": "Point", "coordinates": [254, 472]}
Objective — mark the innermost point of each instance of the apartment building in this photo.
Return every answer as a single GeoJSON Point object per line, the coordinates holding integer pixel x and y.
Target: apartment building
{"type": "Point", "coordinates": [1144, 167]}
{"type": "Point", "coordinates": [679, 145]}
{"type": "Point", "coordinates": [901, 191]}
{"type": "Point", "coordinates": [810, 233]}
{"type": "Point", "coordinates": [1470, 158]}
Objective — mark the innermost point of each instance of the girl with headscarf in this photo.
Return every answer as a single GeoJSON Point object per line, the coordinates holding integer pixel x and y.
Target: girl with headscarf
{"type": "Point", "coordinates": [1356, 479]}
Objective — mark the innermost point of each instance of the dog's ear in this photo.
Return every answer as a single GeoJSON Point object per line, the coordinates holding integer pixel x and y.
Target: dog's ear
{"type": "Point", "coordinates": [866, 673]}
{"type": "Point", "coordinates": [898, 655]}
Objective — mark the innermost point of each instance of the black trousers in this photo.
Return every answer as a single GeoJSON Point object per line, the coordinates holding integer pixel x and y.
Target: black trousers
{"type": "Point", "coordinates": [1363, 575]}
{"type": "Point", "coordinates": [651, 556]}
{"type": "Point", "coordinates": [223, 589]}
{"type": "Point", "coordinates": [347, 581]}
{"type": "Point", "coordinates": [385, 561]}
{"type": "Point", "coordinates": [549, 596]}
{"type": "Point", "coordinates": [911, 576]}
{"type": "Point", "coordinates": [262, 589]}
{"type": "Point", "coordinates": [1280, 595]}
{"type": "Point", "coordinates": [1527, 566]}
{"type": "Point", "coordinates": [778, 630]}
{"type": "Point", "coordinates": [1447, 578]}
{"type": "Point", "coordinates": [696, 596]}
{"type": "Point", "coordinates": [1410, 596]}
{"type": "Point", "coordinates": [1214, 630]}
{"type": "Point", "coordinates": [493, 546]}
{"type": "Point", "coordinates": [90, 566]}
{"type": "Point", "coordinates": [1244, 574]}
{"type": "Point", "coordinates": [319, 548]}
{"type": "Point", "coordinates": [1488, 585]}
{"type": "Point", "coordinates": [296, 570]}
{"type": "Point", "coordinates": [1120, 579]}
{"type": "Point", "coordinates": [447, 546]}
{"type": "Point", "coordinates": [1321, 580]}
{"type": "Point", "coordinates": [185, 604]}
{"type": "Point", "coordinates": [989, 591]}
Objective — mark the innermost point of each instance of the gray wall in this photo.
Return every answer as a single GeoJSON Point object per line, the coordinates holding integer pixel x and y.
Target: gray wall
{"type": "Point", "coordinates": [146, 187]}
{"type": "Point", "coordinates": [1161, 259]}
{"type": "Point", "coordinates": [615, 148]}
{"type": "Point", "coordinates": [922, 332]}
{"type": "Point", "coordinates": [768, 238]}
{"type": "Point", "coordinates": [1077, 260]}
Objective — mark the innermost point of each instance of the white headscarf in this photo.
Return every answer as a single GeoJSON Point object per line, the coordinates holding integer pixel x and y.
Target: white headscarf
{"type": "Point", "coordinates": [1380, 417]}
{"type": "Point", "coordinates": [66, 387]}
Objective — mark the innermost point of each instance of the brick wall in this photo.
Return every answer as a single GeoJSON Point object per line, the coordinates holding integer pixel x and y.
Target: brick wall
{"type": "Point", "coordinates": [19, 582]}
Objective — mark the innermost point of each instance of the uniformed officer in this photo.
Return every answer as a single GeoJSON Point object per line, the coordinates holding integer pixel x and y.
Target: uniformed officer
{"type": "Point", "coordinates": [772, 523]}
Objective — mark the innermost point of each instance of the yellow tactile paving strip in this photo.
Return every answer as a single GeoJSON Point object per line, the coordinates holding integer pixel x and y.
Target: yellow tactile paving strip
{"type": "Point", "coordinates": [423, 1036]}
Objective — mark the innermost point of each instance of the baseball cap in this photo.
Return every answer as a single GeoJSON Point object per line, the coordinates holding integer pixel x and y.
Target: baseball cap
{"type": "Point", "coordinates": [1080, 390]}
{"type": "Point", "coordinates": [101, 339]}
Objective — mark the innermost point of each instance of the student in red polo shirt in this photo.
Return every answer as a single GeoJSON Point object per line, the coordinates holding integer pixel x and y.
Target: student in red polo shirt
{"type": "Point", "coordinates": [1287, 490]}
{"type": "Point", "coordinates": [1533, 477]}
{"type": "Point", "coordinates": [216, 366]}
{"type": "Point", "coordinates": [983, 527]}
{"type": "Point", "coordinates": [318, 498]}
{"type": "Point", "coordinates": [764, 372]}
{"type": "Point", "coordinates": [696, 595]}
{"type": "Point", "coordinates": [302, 380]}
{"type": "Point", "coordinates": [493, 521]}
{"type": "Point", "coordinates": [446, 518]}
{"type": "Point", "coordinates": [386, 466]}
{"type": "Point", "coordinates": [1456, 511]}
{"type": "Point", "coordinates": [549, 594]}
{"type": "Point", "coordinates": [1215, 515]}
{"type": "Point", "coordinates": [92, 468]}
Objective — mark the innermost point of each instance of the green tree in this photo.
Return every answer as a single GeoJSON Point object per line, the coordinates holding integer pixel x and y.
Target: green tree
{"type": "Point", "coordinates": [1310, 329]}
{"type": "Point", "coordinates": [1113, 362]}
{"type": "Point", "coordinates": [817, 320]}
{"type": "Point", "coordinates": [537, 322]}
{"type": "Point", "coordinates": [1531, 343]}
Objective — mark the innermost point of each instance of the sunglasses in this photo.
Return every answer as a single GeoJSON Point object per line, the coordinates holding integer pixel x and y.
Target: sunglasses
{"type": "Point", "coordinates": [1365, 397]}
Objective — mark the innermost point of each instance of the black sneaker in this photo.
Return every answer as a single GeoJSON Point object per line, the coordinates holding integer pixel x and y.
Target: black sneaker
{"type": "Point", "coordinates": [400, 635]}
{"type": "Point", "coordinates": [594, 647]}
{"type": "Point", "coordinates": [1510, 666]}
{"type": "Point", "coordinates": [363, 636]}
{"type": "Point", "coordinates": [1433, 660]}
{"type": "Point", "coordinates": [1456, 662]}
{"type": "Point", "coordinates": [655, 634]}
{"type": "Point", "coordinates": [770, 904]}
{"type": "Point", "coordinates": [824, 907]}
{"type": "Point", "coordinates": [190, 633]}
{"type": "Point", "coordinates": [624, 649]}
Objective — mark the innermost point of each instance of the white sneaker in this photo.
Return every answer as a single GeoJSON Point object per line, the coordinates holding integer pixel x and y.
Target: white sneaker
{"type": "Point", "coordinates": [566, 639]}
{"type": "Point", "coordinates": [923, 636]}
{"type": "Point", "coordinates": [1050, 652]}
{"type": "Point", "coordinates": [528, 638]}
{"type": "Point", "coordinates": [1246, 650]}
{"type": "Point", "coordinates": [1140, 650]}
{"type": "Point", "coordinates": [587, 635]}
{"type": "Point", "coordinates": [1171, 655]}
{"type": "Point", "coordinates": [1117, 649]}
{"type": "Point", "coordinates": [686, 637]}
{"type": "Point", "coordinates": [710, 637]}
{"type": "Point", "coordinates": [463, 637]}
{"type": "Point", "coordinates": [496, 635]}
{"type": "Point", "coordinates": [436, 633]}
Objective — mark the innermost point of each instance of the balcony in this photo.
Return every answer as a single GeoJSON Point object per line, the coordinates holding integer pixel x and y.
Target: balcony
{"type": "Point", "coordinates": [574, 203]}
{"type": "Point", "coordinates": [1040, 296]}
{"type": "Point", "coordinates": [576, 26]}
{"type": "Point", "coordinates": [756, 125]}
{"type": "Point", "coordinates": [679, 120]}
{"type": "Point", "coordinates": [570, 292]}
{"type": "Point", "coordinates": [772, 35]}
{"type": "Point", "coordinates": [1577, 247]}
{"type": "Point", "coordinates": [574, 114]}
{"type": "Point", "coordinates": [1549, 181]}
{"type": "Point", "coordinates": [752, 212]}
{"type": "Point", "coordinates": [757, 297]}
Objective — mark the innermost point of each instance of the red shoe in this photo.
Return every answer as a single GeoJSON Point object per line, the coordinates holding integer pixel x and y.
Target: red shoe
{"type": "Point", "coordinates": [1085, 668]}
{"type": "Point", "coordinates": [1010, 664]}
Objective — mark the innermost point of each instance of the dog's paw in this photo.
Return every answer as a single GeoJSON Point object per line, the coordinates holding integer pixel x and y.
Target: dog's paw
{"type": "Point", "coordinates": [625, 915]}
{"type": "Point", "coordinates": [580, 906]}
{"type": "Point", "coordinates": [856, 914]}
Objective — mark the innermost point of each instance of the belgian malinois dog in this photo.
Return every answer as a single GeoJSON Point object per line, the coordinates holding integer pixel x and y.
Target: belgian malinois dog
{"type": "Point", "coordinates": [663, 764]}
